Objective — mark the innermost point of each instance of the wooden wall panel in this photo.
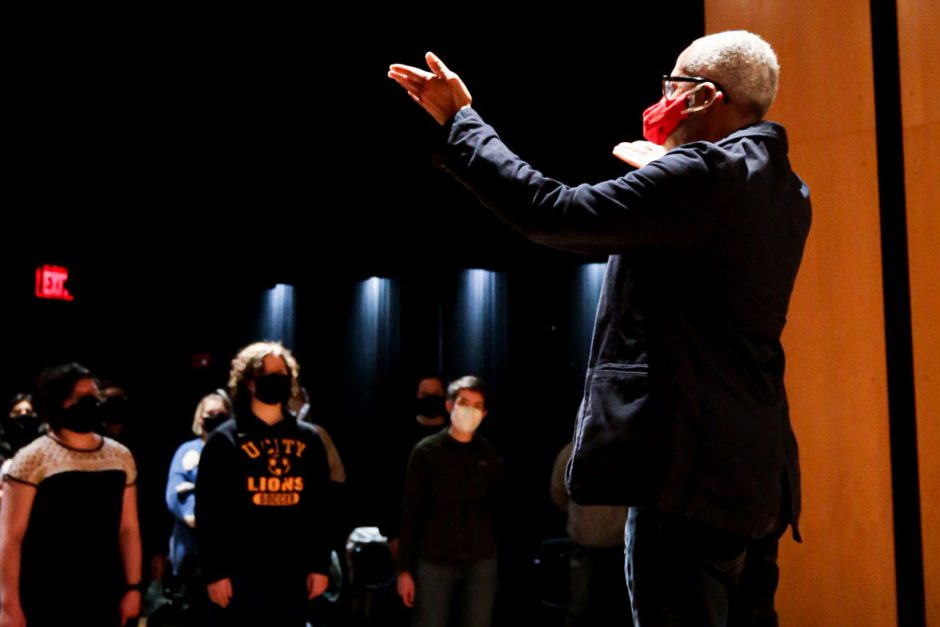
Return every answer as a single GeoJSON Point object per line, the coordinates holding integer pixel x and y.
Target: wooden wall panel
{"type": "Point", "coordinates": [843, 573]}
{"type": "Point", "coordinates": [919, 49]}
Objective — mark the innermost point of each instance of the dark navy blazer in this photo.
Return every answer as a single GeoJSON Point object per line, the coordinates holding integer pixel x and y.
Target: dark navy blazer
{"type": "Point", "coordinates": [684, 403]}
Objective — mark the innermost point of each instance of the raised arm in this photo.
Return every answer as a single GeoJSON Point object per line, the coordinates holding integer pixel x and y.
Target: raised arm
{"type": "Point", "coordinates": [653, 208]}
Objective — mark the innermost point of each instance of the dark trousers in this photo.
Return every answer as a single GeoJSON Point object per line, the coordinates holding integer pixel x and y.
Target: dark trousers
{"type": "Point", "coordinates": [681, 572]}
{"type": "Point", "coordinates": [443, 591]}
{"type": "Point", "coordinates": [598, 588]}
{"type": "Point", "coordinates": [263, 600]}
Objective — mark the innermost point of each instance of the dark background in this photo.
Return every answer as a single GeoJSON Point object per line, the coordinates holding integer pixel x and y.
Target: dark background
{"type": "Point", "coordinates": [181, 165]}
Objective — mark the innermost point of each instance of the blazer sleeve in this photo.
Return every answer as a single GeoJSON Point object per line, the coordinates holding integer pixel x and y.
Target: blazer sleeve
{"type": "Point", "coordinates": [655, 207]}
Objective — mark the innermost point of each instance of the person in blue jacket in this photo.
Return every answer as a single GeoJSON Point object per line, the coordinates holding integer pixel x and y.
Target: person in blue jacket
{"type": "Point", "coordinates": [212, 410]}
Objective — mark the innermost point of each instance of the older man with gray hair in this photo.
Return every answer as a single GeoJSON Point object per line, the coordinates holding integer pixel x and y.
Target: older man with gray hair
{"type": "Point", "coordinates": [684, 416]}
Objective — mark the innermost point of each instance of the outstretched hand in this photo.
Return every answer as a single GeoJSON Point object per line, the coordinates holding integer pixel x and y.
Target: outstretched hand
{"type": "Point", "coordinates": [638, 153]}
{"type": "Point", "coordinates": [440, 92]}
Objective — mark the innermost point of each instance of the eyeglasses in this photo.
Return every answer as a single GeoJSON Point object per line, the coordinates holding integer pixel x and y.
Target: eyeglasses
{"type": "Point", "coordinates": [671, 85]}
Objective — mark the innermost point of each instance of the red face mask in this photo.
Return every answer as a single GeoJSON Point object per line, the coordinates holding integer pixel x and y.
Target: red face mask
{"type": "Point", "coordinates": [662, 118]}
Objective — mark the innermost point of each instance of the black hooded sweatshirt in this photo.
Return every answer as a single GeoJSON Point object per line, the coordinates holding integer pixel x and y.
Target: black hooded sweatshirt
{"type": "Point", "coordinates": [262, 499]}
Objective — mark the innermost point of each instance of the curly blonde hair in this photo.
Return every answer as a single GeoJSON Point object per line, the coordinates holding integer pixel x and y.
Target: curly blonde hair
{"type": "Point", "coordinates": [248, 364]}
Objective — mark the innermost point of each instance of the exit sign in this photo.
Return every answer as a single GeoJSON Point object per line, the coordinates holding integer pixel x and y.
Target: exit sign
{"type": "Point", "coordinates": [50, 283]}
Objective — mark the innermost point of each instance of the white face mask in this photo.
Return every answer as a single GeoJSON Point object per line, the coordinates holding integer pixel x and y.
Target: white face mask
{"type": "Point", "coordinates": [466, 418]}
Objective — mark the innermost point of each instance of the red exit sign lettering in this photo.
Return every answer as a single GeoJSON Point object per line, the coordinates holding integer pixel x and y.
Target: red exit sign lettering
{"type": "Point", "coordinates": [50, 283]}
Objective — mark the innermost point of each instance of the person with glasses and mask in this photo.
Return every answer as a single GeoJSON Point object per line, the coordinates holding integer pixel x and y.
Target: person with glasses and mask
{"type": "Point", "coordinates": [262, 499]}
{"type": "Point", "coordinates": [69, 536]}
{"type": "Point", "coordinates": [447, 548]}
{"type": "Point", "coordinates": [684, 416]}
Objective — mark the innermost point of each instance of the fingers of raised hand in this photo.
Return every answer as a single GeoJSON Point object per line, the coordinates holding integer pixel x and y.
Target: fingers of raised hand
{"type": "Point", "coordinates": [410, 72]}
{"type": "Point", "coordinates": [437, 66]}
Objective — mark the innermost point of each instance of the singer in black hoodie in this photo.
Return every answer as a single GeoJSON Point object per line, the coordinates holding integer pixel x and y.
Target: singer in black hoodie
{"type": "Point", "coordinates": [262, 499]}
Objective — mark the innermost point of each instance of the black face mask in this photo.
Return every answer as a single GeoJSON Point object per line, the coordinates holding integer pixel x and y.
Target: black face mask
{"type": "Point", "coordinates": [84, 416]}
{"type": "Point", "coordinates": [21, 430]}
{"type": "Point", "coordinates": [273, 389]}
{"type": "Point", "coordinates": [430, 406]}
{"type": "Point", "coordinates": [211, 422]}
{"type": "Point", "coordinates": [20, 422]}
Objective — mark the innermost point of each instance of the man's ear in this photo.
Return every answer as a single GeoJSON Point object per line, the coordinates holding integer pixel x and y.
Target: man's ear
{"type": "Point", "coordinates": [713, 97]}
{"type": "Point", "coordinates": [449, 405]}
{"type": "Point", "coordinates": [702, 97]}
